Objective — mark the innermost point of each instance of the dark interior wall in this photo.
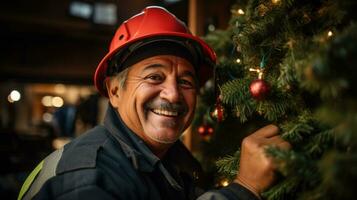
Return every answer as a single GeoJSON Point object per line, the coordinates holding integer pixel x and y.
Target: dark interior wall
{"type": "Point", "coordinates": [41, 42]}
{"type": "Point", "coordinates": [49, 59]}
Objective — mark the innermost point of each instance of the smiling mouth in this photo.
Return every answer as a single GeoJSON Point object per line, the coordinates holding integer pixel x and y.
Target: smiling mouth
{"type": "Point", "coordinates": [166, 113]}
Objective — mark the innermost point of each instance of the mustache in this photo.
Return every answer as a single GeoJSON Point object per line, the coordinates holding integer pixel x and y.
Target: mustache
{"type": "Point", "coordinates": [179, 107]}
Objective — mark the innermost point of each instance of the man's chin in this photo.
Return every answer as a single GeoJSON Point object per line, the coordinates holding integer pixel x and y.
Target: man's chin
{"type": "Point", "coordinates": [164, 140]}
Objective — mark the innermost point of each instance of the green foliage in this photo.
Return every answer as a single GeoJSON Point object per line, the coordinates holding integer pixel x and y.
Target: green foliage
{"type": "Point", "coordinates": [228, 165]}
{"type": "Point", "coordinates": [307, 49]}
{"type": "Point", "coordinates": [280, 190]}
{"type": "Point", "coordinates": [236, 94]}
{"type": "Point", "coordinates": [221, 42]}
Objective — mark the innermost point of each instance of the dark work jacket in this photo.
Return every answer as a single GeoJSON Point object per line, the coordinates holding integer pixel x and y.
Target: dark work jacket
{"type": "Point", "coordinates": [111, 162]}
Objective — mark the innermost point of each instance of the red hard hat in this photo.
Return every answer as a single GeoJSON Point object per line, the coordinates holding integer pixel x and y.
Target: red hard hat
{"type": "Point", "coordinates": [152, 22]}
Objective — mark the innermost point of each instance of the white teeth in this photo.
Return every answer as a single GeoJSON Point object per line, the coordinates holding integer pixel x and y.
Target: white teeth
{"type": "Point", "coordinates": [165, 112]}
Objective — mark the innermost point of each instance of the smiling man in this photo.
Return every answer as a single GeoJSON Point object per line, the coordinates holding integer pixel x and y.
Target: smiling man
{"type": "Point", "coordinates": [157, 100]}
{"type": "Point", "coordinates": [151, 76]}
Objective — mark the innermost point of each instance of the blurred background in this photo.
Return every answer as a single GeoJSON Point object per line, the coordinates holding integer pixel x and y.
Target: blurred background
{"type": "Point", "coordinates": [48, 54]}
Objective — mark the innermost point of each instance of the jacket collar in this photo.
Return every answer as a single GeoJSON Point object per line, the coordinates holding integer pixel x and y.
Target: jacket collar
{"type": "Point", "coordinates": [134, 148]}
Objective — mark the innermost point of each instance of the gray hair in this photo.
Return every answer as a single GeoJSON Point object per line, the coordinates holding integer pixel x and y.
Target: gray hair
{"type": "Point", "coordinates": [121, 77]}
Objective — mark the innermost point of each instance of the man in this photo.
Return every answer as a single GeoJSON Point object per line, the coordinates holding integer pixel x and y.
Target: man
{"type": "Point", "coordinates": [151, 76]}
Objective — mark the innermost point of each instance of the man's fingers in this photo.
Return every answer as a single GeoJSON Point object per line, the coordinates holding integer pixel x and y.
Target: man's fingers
{"type": "Point", "coordinates": [267, 131]}
{"type": "Point", "coordinates": [256, 167]}
{"type": "Point", "coordinates": [285, 145]}
{"type": "Point", "coordinates": [279, 142]}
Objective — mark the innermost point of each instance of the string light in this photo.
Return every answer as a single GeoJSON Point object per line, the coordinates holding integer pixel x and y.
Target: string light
{"type": "Point", "coordinates": [46, 101]}
{"type": "Point", "coordinates": [211, 27]}
{"type": "Point", "coordinates": [14, 96]}
{"type": "Point", "coordinates": [47, 117]}
{"type": "Point", "coordinates": [275, 1]}
{"type": "Point", "coordinates": [57, 102]}
{"type": "Point", "coordinates": [237, 11]}
{"type": "Point", "coordinates": [329, 34]}
{"type": "Point", "coordinates": [50, 101]}
{"type": "Point", "coordinates": [259, 71]}
{"type": "Point", "coordinates": [238, 60]}
{"type": "Point", "coordinates": [240, 11]}
{"type": "Point", "coordinates": [224, 182]}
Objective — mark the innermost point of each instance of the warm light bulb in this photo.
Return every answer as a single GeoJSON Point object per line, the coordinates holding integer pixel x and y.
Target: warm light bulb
{"type": "Point", "coordinates": [238, 60]}
{"type": "Point", "coordinates": [329, 34]}
{"type": "Point", "coordinates": [224, 183]}
{"type": "Point", "coordinates": [14, 96]}
{"type": "Point", "coordinates": [240, 11]}
{"type": "Point", "coordinates": [47, 117]}
{"type": "Point", "coordinates": [275, 1]}
{"type": "Point", "coordinates": [211, 27]}
{"type": "Point", "coordinates": [46, 101]}
{"type": "Point", "coordinates": [57, 102]}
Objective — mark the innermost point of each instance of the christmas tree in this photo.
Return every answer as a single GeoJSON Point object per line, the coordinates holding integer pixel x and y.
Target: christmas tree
{"type": "Point", "coordinates": [292, 63]}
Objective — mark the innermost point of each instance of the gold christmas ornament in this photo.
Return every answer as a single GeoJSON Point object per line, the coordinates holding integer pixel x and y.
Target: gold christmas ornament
{"type": "Point", "coordinates": [237, 112]}
{"type": "Point", "coordinates": [306, 18]}
{"type": "Point", "coordinates": [262, 10]}
{"type": "Point", "coordinates": [309, 73]}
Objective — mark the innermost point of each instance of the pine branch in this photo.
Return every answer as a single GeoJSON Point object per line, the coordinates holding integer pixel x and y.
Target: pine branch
{"type": "Point", "coordinates": [283, 190]}
{"type": "Point", "coordinates": [276, 107]}
{"type": "Point", "coordinates": [320, 142]}
{"type": "Point", "coordinates": [296, 129]}
{"type": "Point", "coordinates": [236, 94]}
{"type": "Point", "coordinates": [311, 70]}
{"type": "Point", "coordinates": [228, 165]}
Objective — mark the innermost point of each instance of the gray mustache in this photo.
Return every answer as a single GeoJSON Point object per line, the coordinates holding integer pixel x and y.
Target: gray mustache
{"type": "Point", "coordinates": [174, 107]}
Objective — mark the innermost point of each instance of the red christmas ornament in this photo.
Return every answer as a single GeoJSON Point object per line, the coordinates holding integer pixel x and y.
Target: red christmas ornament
{"type": "Point", "coordinates": [259, 89]}
{"type": "Point", "coordinates": [205, 130]}
{"type": "Point", "coordinates": [218, 114]}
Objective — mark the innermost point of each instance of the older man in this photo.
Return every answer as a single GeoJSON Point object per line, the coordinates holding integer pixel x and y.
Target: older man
{"type": "Point", "coordinates": [151, 76]}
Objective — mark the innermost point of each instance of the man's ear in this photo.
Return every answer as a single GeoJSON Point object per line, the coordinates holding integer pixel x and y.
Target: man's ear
{"type": "Point", "coordinates": [112, 85]}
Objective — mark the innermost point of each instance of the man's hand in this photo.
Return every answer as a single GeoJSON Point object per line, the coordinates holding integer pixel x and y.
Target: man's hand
{"type": "Point", "coordinates": [257, 170]}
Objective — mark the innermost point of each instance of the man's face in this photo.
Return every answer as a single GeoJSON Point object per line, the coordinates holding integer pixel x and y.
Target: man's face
{"type": "Point", "coordinates": [159, 98]}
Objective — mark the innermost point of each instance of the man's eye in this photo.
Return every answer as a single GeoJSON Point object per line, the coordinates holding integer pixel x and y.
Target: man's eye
{"type": "Point", "coordinates": [186, 83]}
{"type": "Point", "coordinates": [155, 78]}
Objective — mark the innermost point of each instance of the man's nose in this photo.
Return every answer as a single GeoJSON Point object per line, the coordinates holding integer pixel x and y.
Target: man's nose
{"type": "Point", "coordinates": [170, 91]}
